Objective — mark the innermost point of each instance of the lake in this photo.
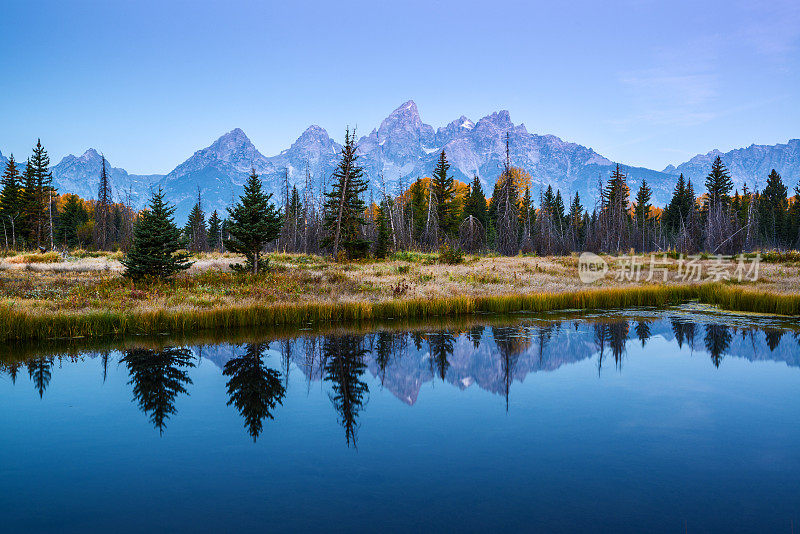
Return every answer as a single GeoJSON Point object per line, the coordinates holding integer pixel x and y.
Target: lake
{"type": "Point", "coordinates": [682, 420]}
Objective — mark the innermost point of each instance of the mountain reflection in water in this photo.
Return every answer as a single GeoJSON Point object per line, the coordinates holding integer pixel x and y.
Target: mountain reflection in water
{"type": "Point", "coordinates": [491, 358]}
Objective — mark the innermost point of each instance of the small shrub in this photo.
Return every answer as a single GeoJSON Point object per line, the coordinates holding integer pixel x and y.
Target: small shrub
{"type": "Point", "coordinates": [450, 256]}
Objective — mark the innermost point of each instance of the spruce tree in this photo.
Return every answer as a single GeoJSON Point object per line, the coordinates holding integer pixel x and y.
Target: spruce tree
{"type": "Point", "coordinates": [196, 229]}
{"type": "Point", "coordinates": [254, 222]}
{"type": "Point", "coordinates": [40, 195]}
{"type": "Point", "coordinates": [442, 185]}
{"type": "Point", "coordinates": [156, 241]}
{"type": "Point", "coordinates": [476, 203]}
{"type": "Point", "coordinates": [72, 217]}
{"type": "Point", "coordinates": [772, 210]}
{"type": "Point", "coordinates": [10, 203]}
{"type": "Point", "coordinates": [214, 231]}
{"type": "Point", "coordinates": [102, 210]}
{"type": "Point", "coordinates": [344, 209]}
{"type": "Point", "coordinates": [719, 186]}
{"type": "Point", "coordinates": [382, 242]}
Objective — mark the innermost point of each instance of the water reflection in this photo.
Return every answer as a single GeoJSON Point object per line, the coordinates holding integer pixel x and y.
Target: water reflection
{"type": "Point", "coordinates": [158, 377]}
{"type": "Point", "coordinates": [253, 388]}
{"type": "Point", "coordinates": [344, 367]}
{"type": "Point", "coordinates": [491, 357]}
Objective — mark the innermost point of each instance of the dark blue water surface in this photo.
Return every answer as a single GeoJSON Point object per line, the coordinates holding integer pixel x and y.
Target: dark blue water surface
{"type": "Point", "coordinates": [646, 422]}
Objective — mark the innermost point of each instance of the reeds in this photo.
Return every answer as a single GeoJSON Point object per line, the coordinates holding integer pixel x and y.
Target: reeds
{"type": "Point", "coordinates": [20, 324]}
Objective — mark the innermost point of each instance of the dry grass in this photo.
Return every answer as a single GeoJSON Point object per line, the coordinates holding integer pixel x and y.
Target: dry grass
{"type": "Point", "coordinates": [88, 296]}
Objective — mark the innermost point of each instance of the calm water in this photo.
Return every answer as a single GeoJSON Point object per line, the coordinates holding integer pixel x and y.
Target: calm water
{"type": "Point", "coordinates": [656, 422]}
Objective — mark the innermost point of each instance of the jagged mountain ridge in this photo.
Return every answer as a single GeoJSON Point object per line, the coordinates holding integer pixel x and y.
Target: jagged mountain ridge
{"type": "Point", "coordinates": [750, 164]}
{"type": "Point", "coordinates": [404, 148]}
{"type": "Point", "coordinates": [73, 174]}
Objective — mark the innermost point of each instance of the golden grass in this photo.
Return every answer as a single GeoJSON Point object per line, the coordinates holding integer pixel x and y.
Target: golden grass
{"type": "Point", "coordinates": [47, 257]}
{"type": "Point", "coordinates": [19, 324]}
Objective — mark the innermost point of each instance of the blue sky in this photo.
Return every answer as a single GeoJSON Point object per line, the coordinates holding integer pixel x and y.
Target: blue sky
{"type": "Point", "coordinates": [642, 82]}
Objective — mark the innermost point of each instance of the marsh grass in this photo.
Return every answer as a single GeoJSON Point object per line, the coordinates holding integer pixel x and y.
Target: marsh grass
{"type": "Point", "coordinates": [46, 257]}
{"type": "Point", "coordinates": [20, 324]}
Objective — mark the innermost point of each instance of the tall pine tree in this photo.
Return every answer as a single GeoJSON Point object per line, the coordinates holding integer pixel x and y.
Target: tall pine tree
{"type": "Point", "coordinates": [442, 185]}
{"type": "Point", "coordinates": [254, 222]}
{"type": "Point", "coordinates": [344, 209]}
{"type": "Point", "coordinates": [10, 203]}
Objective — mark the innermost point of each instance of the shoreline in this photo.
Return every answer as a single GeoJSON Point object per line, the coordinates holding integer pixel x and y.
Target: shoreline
{"type": "Point", "coordinates": [17, 324]}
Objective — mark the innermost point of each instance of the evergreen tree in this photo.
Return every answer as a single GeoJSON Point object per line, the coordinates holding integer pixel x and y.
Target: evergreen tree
{"type": "Point", "coordinates": [254, 222]}
{"type": "Point", "coordinates": [344, 209]}
{"type": "Point", "coordinates": [442, 185]}
{"type": "Point", "coordinates": [102, 210]}
{"type": "Point", "coordinates": [675, 212]}
{"type": "Point", "coordinates": [419, 208]}
{"type": "Point", "coordinates": [772, 207]}
{"type": "Point", "coordinates": [156, 240]}
{"type": "Point", "coordinates": [576, 222]}
{"type": "Point", "coordinates": [72, 217]}
{"type": "Point", "coordinates": [382, 242]}
{"type": "Point", "coordinates": [476, 203]}
{"type": "Point", "coordinates": [642, 209]}
{"type": "Point", "coordinates": [38, 194]}
{"type": "Point", "coordinates": [10, 203]}
{"type": "Point", "coordinates": [719, 186]}
{"type": "Point", "coordinates": [196, 229]}
{"type": "Point", "coordinates": [214, 231]}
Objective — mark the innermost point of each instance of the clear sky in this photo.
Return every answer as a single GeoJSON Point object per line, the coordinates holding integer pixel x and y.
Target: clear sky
{"type": "Point", "coordinates": [642, 82]}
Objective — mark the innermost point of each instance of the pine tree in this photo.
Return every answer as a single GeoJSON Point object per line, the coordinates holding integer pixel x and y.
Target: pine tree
{"type": "Point", "coordinates": [382, 242]}
{"type": "Point", "coordinates": [719, 186]}
{"type": "Point", "coordinates": [40, 195]}
{"type": "Point", "coordinates": [73, 216]}
{"type": "Point", "coordinates": [442, 186]}
{"type": "Point", "coordinates": [102, 210]}
{"type": "Point", "coordinates": [772, 210]}
{"type": "Point", "coordinates": [156, 241]}
{"type": "Point", "coordinates": [642, 212]}
{"type": "Point", "coordinates": [10, 203]}
{"type": "Point", "coordinates": [196, 228]}
{"type": "Point", "coordinates": [576, 223]}
{"type": "Point", "coordinates": [254, 222]}
{"type": "Point", "coordinates": [214, 231]}
{"type": "Point", "coordinates": [674, 213]}
{"type": "Point", "coordinates": [476, 203]}
{"type": "Point", "coordinates": [344, 209]}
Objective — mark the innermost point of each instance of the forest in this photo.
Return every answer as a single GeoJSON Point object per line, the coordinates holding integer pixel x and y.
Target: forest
{"type": "Point", "coordinates": [346, 222]}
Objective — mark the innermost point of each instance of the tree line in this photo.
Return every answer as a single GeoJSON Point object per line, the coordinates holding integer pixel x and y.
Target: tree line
{"type": "Point", "coordinates": [426, 215]}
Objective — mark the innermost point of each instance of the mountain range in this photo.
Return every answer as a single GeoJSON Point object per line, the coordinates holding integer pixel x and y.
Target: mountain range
{"type": "Point", "coordinates": [403, 148]}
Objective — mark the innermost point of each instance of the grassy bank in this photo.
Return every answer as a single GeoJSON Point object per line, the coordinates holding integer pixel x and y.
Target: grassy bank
{"type": "Point", "coordinates": [21, 324]}
{"type": "Point", "coordinates": [88, 297]}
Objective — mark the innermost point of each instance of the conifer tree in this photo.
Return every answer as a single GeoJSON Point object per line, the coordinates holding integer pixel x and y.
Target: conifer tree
{"type": "Point", "coordinates": [772, 210]}
{"type": "Point", "coordinates": [10, 203]}
{"type": "Point", "coordinates": [344, 208]}
{"type": "Point", "coordinates": [214, 231]}
{"type": "Point", "coordinates": [72, 217]}
{"type": "Point", "coordinates": [476, 203]}
{"type": "Point", "coordinates": [102, 210]}
{"type": "Point", "coordinates": [254, 222]}
{"type": "Point", "coordinates": [40, 195]}
{"type": "Point", "coordinates": [642, 212]}
{"type": "Point", "coordinates": [382, 241]}
{"type": "Point", "coordinates": [719, 186]}
{"type": "Point", "coordinates": [196, 229]}
{"type": "Point", "coordinates": [156, 241]}
{"type": "Point", "coordinates": [576, 223]}
{"type": "Point", "coordinates": [442, 186]}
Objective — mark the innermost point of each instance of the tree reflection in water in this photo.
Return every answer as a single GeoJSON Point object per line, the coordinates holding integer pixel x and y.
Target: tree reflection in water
{"type": "Point", "coordinates": [718, 339]}
{"type": "Point", "coordinates": [158, 377]}
{"type": "Point", "coordinates": [40, 371]}
{"type": "Point", "coordinates": [253, 388]}
{"type": "Point", "coordinates": [345, 364]}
